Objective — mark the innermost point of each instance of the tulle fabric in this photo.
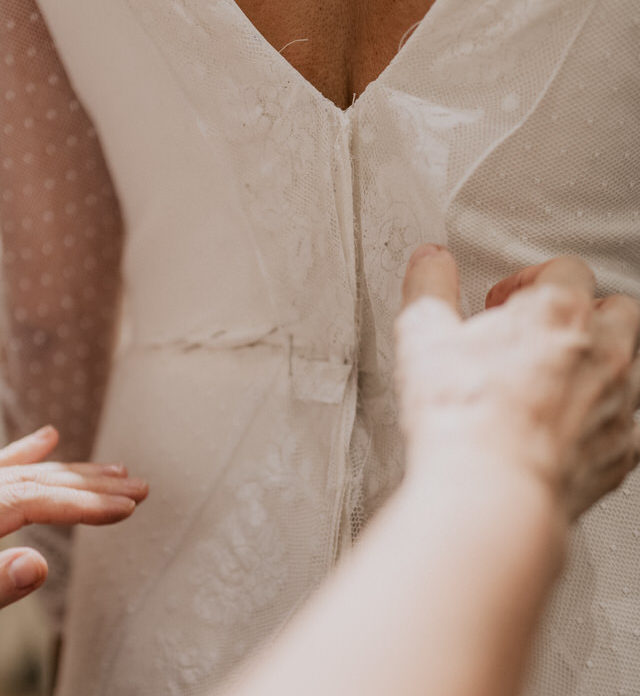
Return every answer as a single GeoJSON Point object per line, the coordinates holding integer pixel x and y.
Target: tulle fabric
{"type": "Point", "coordinates": [267, 233]}
{"type": "Point", "coordinates": [61, 241]}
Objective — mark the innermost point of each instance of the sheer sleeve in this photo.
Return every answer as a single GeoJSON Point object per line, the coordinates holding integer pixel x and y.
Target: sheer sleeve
{"type": "Point", "coordinates": [61, 243]}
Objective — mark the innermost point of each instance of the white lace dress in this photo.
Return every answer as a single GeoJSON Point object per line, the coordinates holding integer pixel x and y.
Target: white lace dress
{"type": "Point", "coordinates": [267, 233]}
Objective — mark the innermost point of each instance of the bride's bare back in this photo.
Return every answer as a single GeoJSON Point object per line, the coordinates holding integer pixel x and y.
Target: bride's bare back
{"type": "Point", "coordinates": [338, 46]}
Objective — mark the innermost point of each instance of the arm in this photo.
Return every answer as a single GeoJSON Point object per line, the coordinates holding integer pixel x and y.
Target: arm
{"type": "Point", "coordinates": [441, 597]}
{"type": "Point", "coordinates": [61, 237]}
{"type": "Point", "coordinates": [444, 592]}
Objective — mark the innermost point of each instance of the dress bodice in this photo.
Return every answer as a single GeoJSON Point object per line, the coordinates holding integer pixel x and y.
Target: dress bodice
{"type": "Point", "coordinates": [267, 235]}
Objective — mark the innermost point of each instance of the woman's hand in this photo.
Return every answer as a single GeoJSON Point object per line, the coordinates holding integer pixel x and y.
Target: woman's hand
{"type": "Point", "coordinates": [546, 378]}
{"type": "Point", "coordinates": [443, 591]}
{"type": "Point", "coordinates": [32, 491]}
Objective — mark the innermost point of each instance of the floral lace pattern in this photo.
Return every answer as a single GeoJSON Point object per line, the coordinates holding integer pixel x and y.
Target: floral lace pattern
{"type": "Point", "coordinates": [267, 233]}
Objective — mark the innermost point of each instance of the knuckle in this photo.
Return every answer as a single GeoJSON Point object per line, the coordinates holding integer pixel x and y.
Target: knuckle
{"type": "Point", "coordinates": [20, 494]}
{"type": "Point", "coordinates": [22, 490]}
{"type": "Point", "coordinates": [38, 478]}
{"type": "Point", "coordinates": [563, 304]}
{"type": "Point", "coordinates": [576, 266]}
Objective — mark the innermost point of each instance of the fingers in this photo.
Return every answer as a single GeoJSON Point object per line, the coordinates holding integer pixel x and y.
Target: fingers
{"type": "Point", "coordinates": [28, 502]}
{"type": "Point", "coordinates": [617, 472]}
{"type": "Point", "coordinates": [31, 448]}
{"type": "Point", "coordinates": [431, 272]}
{"type": "Point", "coordinates": [74, 477]}
{"type": "Point", "coordinates": [610, 455]}
{"type": "Point", "coordinates": [609, 444]}
{"type": "Point", "coordinates": [608, 409]}
{"type": "Point", "coordinates": [586, 493]}
{"type": "Point", "coordinates": [618, 319]}
{"type": "Point", "coordinates": [618, 404]}
{"type": "Point", "coordinates": [21, 572]}
{"type": "Point", "coordinates": [65, 494]}
{"type": "Point", "coordinates": [612, 465]}
{"type": "Point", "coordinates": [567, 271]}
{"type": "Point", "coordinates": [118, 470]}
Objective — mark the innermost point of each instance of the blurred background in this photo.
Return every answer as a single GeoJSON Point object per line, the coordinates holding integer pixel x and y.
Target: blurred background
{"type": "Point", "coordinates": [25, 639]}
{"type": "Point", "coordinates": [24, 644]}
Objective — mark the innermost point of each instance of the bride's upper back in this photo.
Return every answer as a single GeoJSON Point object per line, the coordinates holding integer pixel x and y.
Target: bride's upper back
{"type": "Point", "coordinates": [338, 46]}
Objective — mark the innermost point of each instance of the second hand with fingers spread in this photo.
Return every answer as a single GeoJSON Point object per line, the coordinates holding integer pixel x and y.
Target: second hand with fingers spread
{"type": "Point", "coordinates": [36, 491]}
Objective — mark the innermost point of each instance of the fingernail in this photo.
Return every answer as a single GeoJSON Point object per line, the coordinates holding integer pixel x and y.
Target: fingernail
{"type": "Point", "coordinates": [124, 502]}
{"type": "Point", "coordinates": [134, 486]}
{"type": "Point", "coordinates": [137, 483]}
{"type": "Point", "coordinates": [24, 572]}
{"type": "Point", "coordinates": [45, 433]}
{"type": "Point", "coordinates": [114, 469]}
{"type": "Point", "coordinates": [429, 249]}
{"type": "Point", "coordinates": [424, 250]}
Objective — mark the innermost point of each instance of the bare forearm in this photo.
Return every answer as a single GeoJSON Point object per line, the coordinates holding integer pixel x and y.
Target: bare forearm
{"type": "Point", "coordinates": [441, 598]}
{"type": "Point", "coordinates": [443, 595]}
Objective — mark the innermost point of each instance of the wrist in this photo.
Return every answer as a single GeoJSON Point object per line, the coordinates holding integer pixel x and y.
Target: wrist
{"type": "Point", "coordinates": [484, 443]}
{"type": "Point", "coordinates": [492, 488]}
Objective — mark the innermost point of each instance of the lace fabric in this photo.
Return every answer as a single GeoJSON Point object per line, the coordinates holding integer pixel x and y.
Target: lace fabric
{"type": "Point", "coordinates": [61, 243]}
{"type": "Point", "coordinates": [267, 234]}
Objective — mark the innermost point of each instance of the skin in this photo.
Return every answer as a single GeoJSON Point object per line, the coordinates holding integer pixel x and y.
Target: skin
{"type": "Point", "coordinates": [512, 467]}
{"type": "Point", "coordinates": [37, 491]}
{"type": "Point", "coordinates": [578, 402]}
{"type": "Point", "coordinates": [607, 438]}
{"type": "Point", "coordinates": [492, 419]}
{"type": "Point", "coordinates": [348, 44]}
{"type": "Point", "coordinates": [533, 456]}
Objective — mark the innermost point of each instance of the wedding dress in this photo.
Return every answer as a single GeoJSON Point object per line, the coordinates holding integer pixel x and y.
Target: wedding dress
{"type": "Point", "coordinates": [267, 232]}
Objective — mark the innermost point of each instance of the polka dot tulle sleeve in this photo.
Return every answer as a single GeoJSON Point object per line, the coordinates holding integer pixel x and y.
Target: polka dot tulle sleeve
{"type": "Point", "coordinates": [61, 240]}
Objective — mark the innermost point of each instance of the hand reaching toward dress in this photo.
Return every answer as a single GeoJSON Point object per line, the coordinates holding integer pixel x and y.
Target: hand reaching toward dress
{"type": "Point", "coordinates": [558, 400]}
{"type": "Point", "coordinates": [516, 421]}
{"type": "Point", "coordinates": [33, 491]}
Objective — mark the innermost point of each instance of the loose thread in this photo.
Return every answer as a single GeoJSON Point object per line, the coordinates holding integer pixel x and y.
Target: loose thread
{"type": "Point", "coordinates": [407, 34]}
{"type": "Point", "coordinates": [292, 42]}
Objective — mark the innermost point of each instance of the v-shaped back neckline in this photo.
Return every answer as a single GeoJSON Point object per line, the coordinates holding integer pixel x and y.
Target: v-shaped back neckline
{"type": "Point", "coordinates": [279, 59]}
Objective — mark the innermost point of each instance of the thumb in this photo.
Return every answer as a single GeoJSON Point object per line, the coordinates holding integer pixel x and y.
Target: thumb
{"type": "Point", "coordinates": [431, 272]}
{"type": "Point", "coordinates": [21, 572]}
